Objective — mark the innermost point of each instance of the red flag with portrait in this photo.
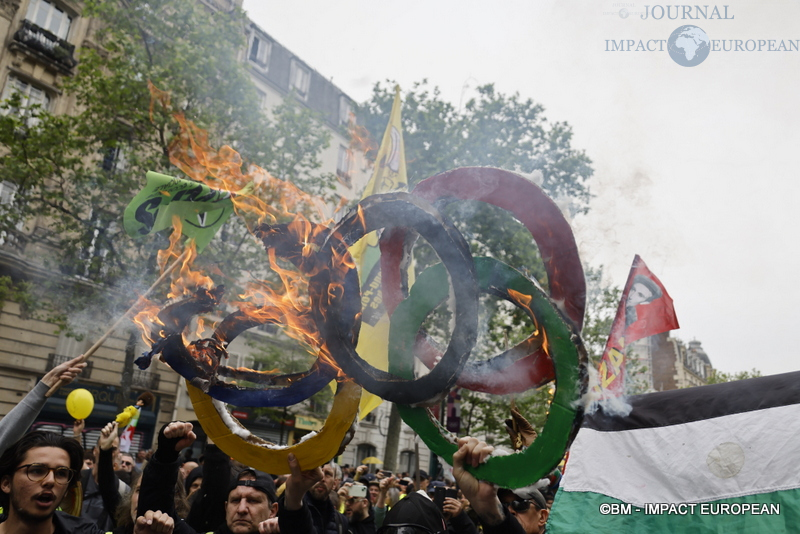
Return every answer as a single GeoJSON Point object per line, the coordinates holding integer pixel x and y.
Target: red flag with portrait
{"type": "Point", "coordinates": [645, 309]}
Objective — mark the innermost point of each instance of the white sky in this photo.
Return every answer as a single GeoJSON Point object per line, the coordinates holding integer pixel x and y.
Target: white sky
{"type": "Point", "coordinates": [695, 167]}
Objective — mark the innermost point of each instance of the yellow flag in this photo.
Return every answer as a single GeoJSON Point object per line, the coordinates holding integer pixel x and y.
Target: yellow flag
{"type": "Point", "coordinates": [389, 175]}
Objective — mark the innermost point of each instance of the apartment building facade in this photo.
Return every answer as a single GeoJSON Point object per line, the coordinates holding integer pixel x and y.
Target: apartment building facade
{"type": "Point", "coordinates": [41, 40]}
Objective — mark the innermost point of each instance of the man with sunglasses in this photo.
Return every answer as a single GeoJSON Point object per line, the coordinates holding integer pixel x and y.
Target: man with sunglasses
{"type": "Point", "coordinates": [523, 513]}
{"type": "Point", "coordinates": [36, 473]}
{"type": "Point", "coordinates": [528, 506]}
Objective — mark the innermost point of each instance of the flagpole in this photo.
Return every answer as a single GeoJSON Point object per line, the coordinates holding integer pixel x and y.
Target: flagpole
{"type": "Point", "coordinates": [126, 315]}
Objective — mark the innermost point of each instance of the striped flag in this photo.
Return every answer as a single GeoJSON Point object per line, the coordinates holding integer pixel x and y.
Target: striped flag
{"type": "Point", "coordinates": [389, 175]}
{"type": "Point", "coordinates": [718, 458]}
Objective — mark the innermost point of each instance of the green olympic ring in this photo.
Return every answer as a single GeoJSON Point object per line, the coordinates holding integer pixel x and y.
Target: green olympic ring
{"type": "Point", "coordinates": [565, 348]}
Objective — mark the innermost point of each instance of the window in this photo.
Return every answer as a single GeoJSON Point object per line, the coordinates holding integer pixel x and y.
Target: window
{"type": "Point", "coordinates": [7, 192]}
{"type": "Point", "coordinates": [114, 159]}
{"type": "Point", "coordinates": [49, 17]}
{"type": "Point", "coordinates": [30, 95]}
{"type": "Point", "coordinates": [299, 78]}
{"type": "Point", "coordinates": [259, 51]}
{"type": "Point", "coordinates": [262, 99]}
{"type": "Point", "coordinates": [365, 450]}
{"type": "Point", "coordinates": [343, 165]}
{"type": "Point", "coordinates": [345, 110]}
{"type": "Point", "coordinates": [408, 462]}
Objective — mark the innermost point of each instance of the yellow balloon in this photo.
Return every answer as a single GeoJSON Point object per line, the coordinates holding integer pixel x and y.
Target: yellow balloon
{"type": "Point", "coordinates": [80, 403]}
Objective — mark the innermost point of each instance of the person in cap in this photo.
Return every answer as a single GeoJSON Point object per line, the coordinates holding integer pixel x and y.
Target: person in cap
{"type": "Point", "coordinates": [194, 481]}
{"type": "Point", "coordinates": [522, 514]}
{"type": "Point", "coordinates": [416, 514]}
{"type": "Point", "coordinates": [249, 497]}
{"type": "Point", "coordinates": [36, 474]}
{"type": "Point", "coordinates": [306, 507]}
{"type": "Point", "coordinates": [528, 506]}
{"type": "Point", "coordinates": [251, 501]}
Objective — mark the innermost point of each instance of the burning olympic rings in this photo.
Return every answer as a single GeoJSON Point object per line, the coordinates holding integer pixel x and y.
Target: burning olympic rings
{"type": "Point", "coordinates": [542, 456]}
{"type": "Point", "coordinates": [336, 311]}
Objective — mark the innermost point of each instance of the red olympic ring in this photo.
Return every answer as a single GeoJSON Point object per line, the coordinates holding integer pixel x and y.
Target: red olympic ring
{"type": "Point", "coordinates": [551, 231]}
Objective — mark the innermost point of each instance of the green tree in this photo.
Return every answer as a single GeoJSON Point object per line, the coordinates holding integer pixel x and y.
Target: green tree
{"type": "Point", "coordinates": [492, 129]}
{"type": "Point", "coordinates": [76, 173]}
{"type": "Point", "coordinates": [718, 377]}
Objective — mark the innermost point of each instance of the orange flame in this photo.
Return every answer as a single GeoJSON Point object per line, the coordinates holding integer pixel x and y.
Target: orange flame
{"type": "Point", "coordinates": [524, 301]}
{"type": "Point", "coordinates": [265, 199]}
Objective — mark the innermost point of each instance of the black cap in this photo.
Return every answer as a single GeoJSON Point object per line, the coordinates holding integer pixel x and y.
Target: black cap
{"type": "Point", "coordinates": [415, 510]}
{"type": "Point", "coordinates": [194, 474]}
{"type": "Point", "coordinates": [528, 493]}
{"type": "Point", "coordinates": [263, 482]}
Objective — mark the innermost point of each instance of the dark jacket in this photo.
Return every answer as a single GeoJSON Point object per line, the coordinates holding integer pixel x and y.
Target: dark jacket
{"type": "Point", "coordinates": [510, 525]}
{"type": "Point", "coordinates": [69, 524]}
{"type": "Point", "coordinates": [65, 523]}
{"type": "Point", "coordinates": [314, 517]}
{"type": "Point", "coordinates": [100, 499]}
{"type": "Point", "coordinates": [157, 491]}
{"type": "Point", "coordinates": [461, 524]}
{"type": "Point", "coordinates": [365, 526]}
{"type": "Point", "coordinates": [208, 506]}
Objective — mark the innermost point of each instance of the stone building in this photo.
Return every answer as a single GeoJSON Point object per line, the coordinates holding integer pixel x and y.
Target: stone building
{"type": "Point", "coordinates": [669, 363]}
{"type": "Point", "coordinates": [40, 43]}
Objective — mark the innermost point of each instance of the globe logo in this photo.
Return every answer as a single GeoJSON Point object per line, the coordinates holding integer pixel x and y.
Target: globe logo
{"type": "Point", "coordinates": [688, 46]}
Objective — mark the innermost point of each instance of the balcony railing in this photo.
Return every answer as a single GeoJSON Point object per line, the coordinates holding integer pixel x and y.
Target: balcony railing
{"type": "Point", "coordinates": [47, 43]}
{"type": "Point", "coordinates": [145, 379]}
{"type": "Point", "coordinates": [55, 359]}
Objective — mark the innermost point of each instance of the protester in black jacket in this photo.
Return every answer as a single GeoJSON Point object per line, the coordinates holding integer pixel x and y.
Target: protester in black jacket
{"type": "Point", "coordinates": [249, 499]}
{"type": "Point", "coordinates": [305, 507]}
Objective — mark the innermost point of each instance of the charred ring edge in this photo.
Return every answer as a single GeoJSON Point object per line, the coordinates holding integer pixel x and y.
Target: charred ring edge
{"type": "Point", "coordinates": [522, 468]}
{"type": "Point", "coordinates": [295, 387]}
{"type": "Point", "coordinates": [391, 210]}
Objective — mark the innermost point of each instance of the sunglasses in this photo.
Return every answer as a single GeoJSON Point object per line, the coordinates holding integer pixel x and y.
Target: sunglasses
{"type": "Point", "coordinates": [38, 472]}
{"type": "Point", "coordinates": [521, 506]}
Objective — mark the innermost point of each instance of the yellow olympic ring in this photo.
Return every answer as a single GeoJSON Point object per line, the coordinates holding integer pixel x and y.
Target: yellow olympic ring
{"type": "Point", "coordinates": [255, 452]}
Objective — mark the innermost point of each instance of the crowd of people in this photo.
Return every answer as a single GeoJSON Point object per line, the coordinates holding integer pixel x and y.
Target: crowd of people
{"type": "Point", "coordinates": [48, 484]}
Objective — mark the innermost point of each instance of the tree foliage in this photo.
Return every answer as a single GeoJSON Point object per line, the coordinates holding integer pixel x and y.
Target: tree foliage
{"type": "Point", "coordinates": [492, 129]}
{"type": "Point", "coordinates": [718, 377]}
{"type": "Point", "coordinates": [76, 173]}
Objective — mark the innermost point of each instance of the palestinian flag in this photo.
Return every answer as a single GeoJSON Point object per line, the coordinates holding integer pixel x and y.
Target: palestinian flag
{"type": "Point", "coordinates": [718, 458]}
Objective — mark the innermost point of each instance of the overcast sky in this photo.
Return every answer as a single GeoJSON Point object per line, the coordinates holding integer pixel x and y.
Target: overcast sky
{"type": "Point", "coordinates": [695, 167]}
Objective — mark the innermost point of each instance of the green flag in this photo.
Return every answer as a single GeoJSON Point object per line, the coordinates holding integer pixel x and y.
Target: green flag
{"type": "Point", "coordinates": [202, 209]}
